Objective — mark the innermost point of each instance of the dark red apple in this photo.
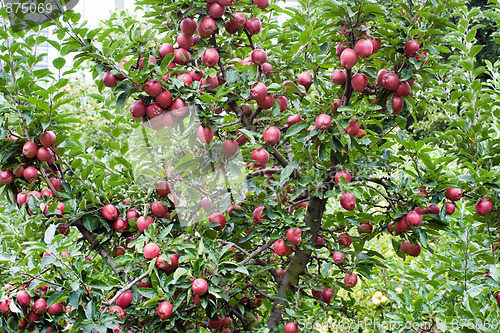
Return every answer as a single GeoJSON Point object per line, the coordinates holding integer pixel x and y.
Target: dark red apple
{"type": "Point", "coordinates": [294, 119]}
{"type": "Point", "coordinates": [345, 239]}
{"type": "Point", "coordinates": [207, 27]}
{"type": "Point", "coordinates": [365, 228]}
{"type": "Point", "coordinates": [253, 26]}
{"type": "Point", "coordinates": [266, 103]}
{"type": "Point", "coordinates": [138, 109]}
{"type": "Point", "coordinates": [45, 155]}
{"type": "Point", "coordinates": [23, 298]}
{"type": "Point", "coordinates": [214, 324]}
{"type": "Point", "coordinates": [238, 21]}
{"type": "Point", "coordinates": [305, 79]}
{"type": "Point", "coordinates": [6, 177]}
{"type": "Point", "coordinates": [167, 48]}
{"type": "Point", "coordinates": [390, 81]}
{"type": "Point", "coordinates": [55, 309]}
{"type": "Point", "coordinates": [411, 48]}
{"type": "Point", "coordinates": [262, 4]}
{"type": "Point", "coordinates": [327, 294]}
{"type": "Point", "coordinates": [291, 328]}
{"type": "Point", "coordinates": [353, 127]}
{"type": "Point", "coordinates": [259, 56]}
{"type": "Point", "coordinates": [257, 215]}
{"type": "Point", "coordinates": [229, 147]}
{"type": "Point", "coordinates": [40, 306]}
{"type": "Point", "coordinates": [143, 223]}
{"type": "Point", "coordinates": [483, 207]}
{"type": "Point", "coordinates": [181, 57]}
{"type": "Point", "coordinates": [109, 80]}
{"type": "Point", "coordinates": [403, 89]}
{"type": "Point", "coordinates": [188, 26]}
{"type": "Point", "coordinates": [341, 47]}
{"type": "Point", "coordinates": [348, 201]}
{"type": "Point", "coordinates": [408, 248]}
{"type": "Point", "coordinates": [380, 75]}
{"type": "Point", "coordinates": [350, 280]}
{"type": "Point", "coordinates": [233, 207]}
{"type": "Point", "coordinates": [120, 225]}
{"type": "Point", "coordinates": [376, 45]}
{"type": "Point", "coordinates": [216, 11]}
{"type": "Point", "coordinates": [397, 105]}
{"type": "Point", "coordinates": [185, 41]}
{"type": "Point", "coordinates": [210, 57]}
{"type": "Point", "coordinates": [152, 88]}
{"type": "Point", "coordinates": [205, 134]}
{"type": "Point", "coordinates": [165, 310]}
{"type": "Point", "coordinates": [454, 194]}
{"type": "Point", "coordinates": [450, 208]}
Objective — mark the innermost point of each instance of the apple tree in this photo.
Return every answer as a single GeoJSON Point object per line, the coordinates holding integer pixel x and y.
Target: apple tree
{"type": "Point", "coordinates": [243, 166]}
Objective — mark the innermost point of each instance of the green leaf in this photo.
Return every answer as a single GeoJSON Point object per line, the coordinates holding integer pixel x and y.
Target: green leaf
{"type": "Point", "coordinates": [287, 172]}
{"type": "Point", "coordinates": [59, 63]}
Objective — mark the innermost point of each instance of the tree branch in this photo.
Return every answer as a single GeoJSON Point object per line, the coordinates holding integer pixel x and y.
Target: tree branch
{"type": "Point", "coordinates": [124, 289]}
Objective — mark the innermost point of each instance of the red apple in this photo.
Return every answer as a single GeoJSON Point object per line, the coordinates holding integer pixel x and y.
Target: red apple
{"type": "Point", "coordinates": [365, 228]}
{"type": "Point", "coordinates": [163, 188]}
{"type": "Point", "coordinates": [30, 174]}
{"type": "Point", "coordinates": [260, 156]}
{"type": "Point", "coordinates": [257, 215]}
{"type": "Point", "coordinates": [305, 79]}
{"type": "Point", "coordinates": [205, 134]}
{"type": "Point", "coordinates": [210, 57]}
{"type": "Point", "coordinates": [348, 201]}
{"type": "Point", "coordinates": [319, 242]}
{"type": "Point", "coordinates": [23, 298]}
{"type": "Point", "coordinates": [353, 127]}
{"type": "Point", "coordinates": [364, 48]}
{"type": "Point", "coordinates": [151, 59]}
{"type": "Point", "coordinates": [323, 122]}
{"type": "Point", "coordinates": [338, 76]}
{"type": "Point", "coordinates": [411, 48]}
{"type": "Point", "coordinates": [6, 177]}
{"type": "Point", "coordinates": [294, 236]}
{"type": "Point", "coordinates": [178, 107]}
{"type": "Point", "coordinates": [165, 310]}
{"type": "Point", "coordinates": [181, 57]}
{"type": "Point", "coordinates": [267, 68]}
{"type": "Point", "coordinates": [397, 105]}
{"type": "Point", "coordinates": [200, 286]}
{"type": "Point", "coordinates": [402, 225]}
{"type": "Point", "coordinates": [219, 218]}
{"type": "Point", "coordinates": [120, 225]}
{"type": "Point", "coordinates": [408, 248]}
{"type": "Point", "coordinates": [110, 212]}
{"type": "Point", "coordinates": [454, 194]}
{"type": "Point", "coordinates": [167, 48]}
{"type": "Point", "coordinates": [413, 218]}
{"type": "Point", "coordinates": [376, 45]}
{"type": "Point", "coordinates": [350, 280]}
{"type": "Point", "coordinates": [138, 109]}
{"type": "Point", "coordinates": [390, 81]}
{"type": "Point", "coordinates": [188, 26]}
{"type": "Point", "coordinates": [238, 20]}
{"type": "Point", "coordinates": [291, 328]}
{"type": "Point", "coordinates": [158, 209]}
{"type": "Point", "coordinates": [109, 80]}
{"type": "Point", "coordinates": [229, 147]}
{"type": "Point", "coordinates": [281, 248]}
{"type": "Point", "coordinates": [344, 174]}
{"type": "Point", "coordinates": [215, 323]}
{"type": "Point", "coordinates": [348, 58]}
{"type": "Point", "coordinates": [345, 239]}
{"type": "Point", "coordinates": [48, 139]}
{"type": "Point", "coordinates": [119, 251]}
{"type": "Point", "coordinates": [380, 75]}
{"type": "Point", "coordinates": [267, 102]}
{"type": "Point", "coordinates": [294, 119]}
{"type": "Point", "coordinates": [40, 306]}
{"type": "Point", "coordinates": [143, 223]}
{"type": "Point", "coordinates": [359, 82]}
{"type": "Point", "coordinates": [403, 89]}
{"type": "Point", "coordinates": [30, 149]}
{"type": "Point", "coordinates": [206, 203]}
{"type": "Point", "coordinates": [338, 257]}
{"type": "Point", "coordinates": [272, 135]}
{"type": "Point", "coordinates": [152, 88]}
{"type": "Point", "coordinates": [450, 208]}
{"type": "Point", "coordinates": [55, 309]}
{"type": "Point", "coordinates": [117, 308]}
{"type": "Point", "coordinates": [253, 26]}
{"type": "Point", "coordinates": [216, 11]}
{"type": "Point", "coordinates": [233, 207]}
{"type": "Point", "coordinates": [483, 207]}
{"type": "Point", "coordinates": [151, 251]}
{"type": "Point", "coordinates": [259, 56]}
{"type": "Point", "coordinates": [154, 110]}
{"type": "Point", "coordinates": [262, 4]}
{"type": "Point", "coordinates": [45, 155]}
{"type": "Point", "coordinates": [326, 295]}
{"type": "Point", "coordinates": [207, 27]}
{"type": "Point", "coordinates": [258, 91]}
